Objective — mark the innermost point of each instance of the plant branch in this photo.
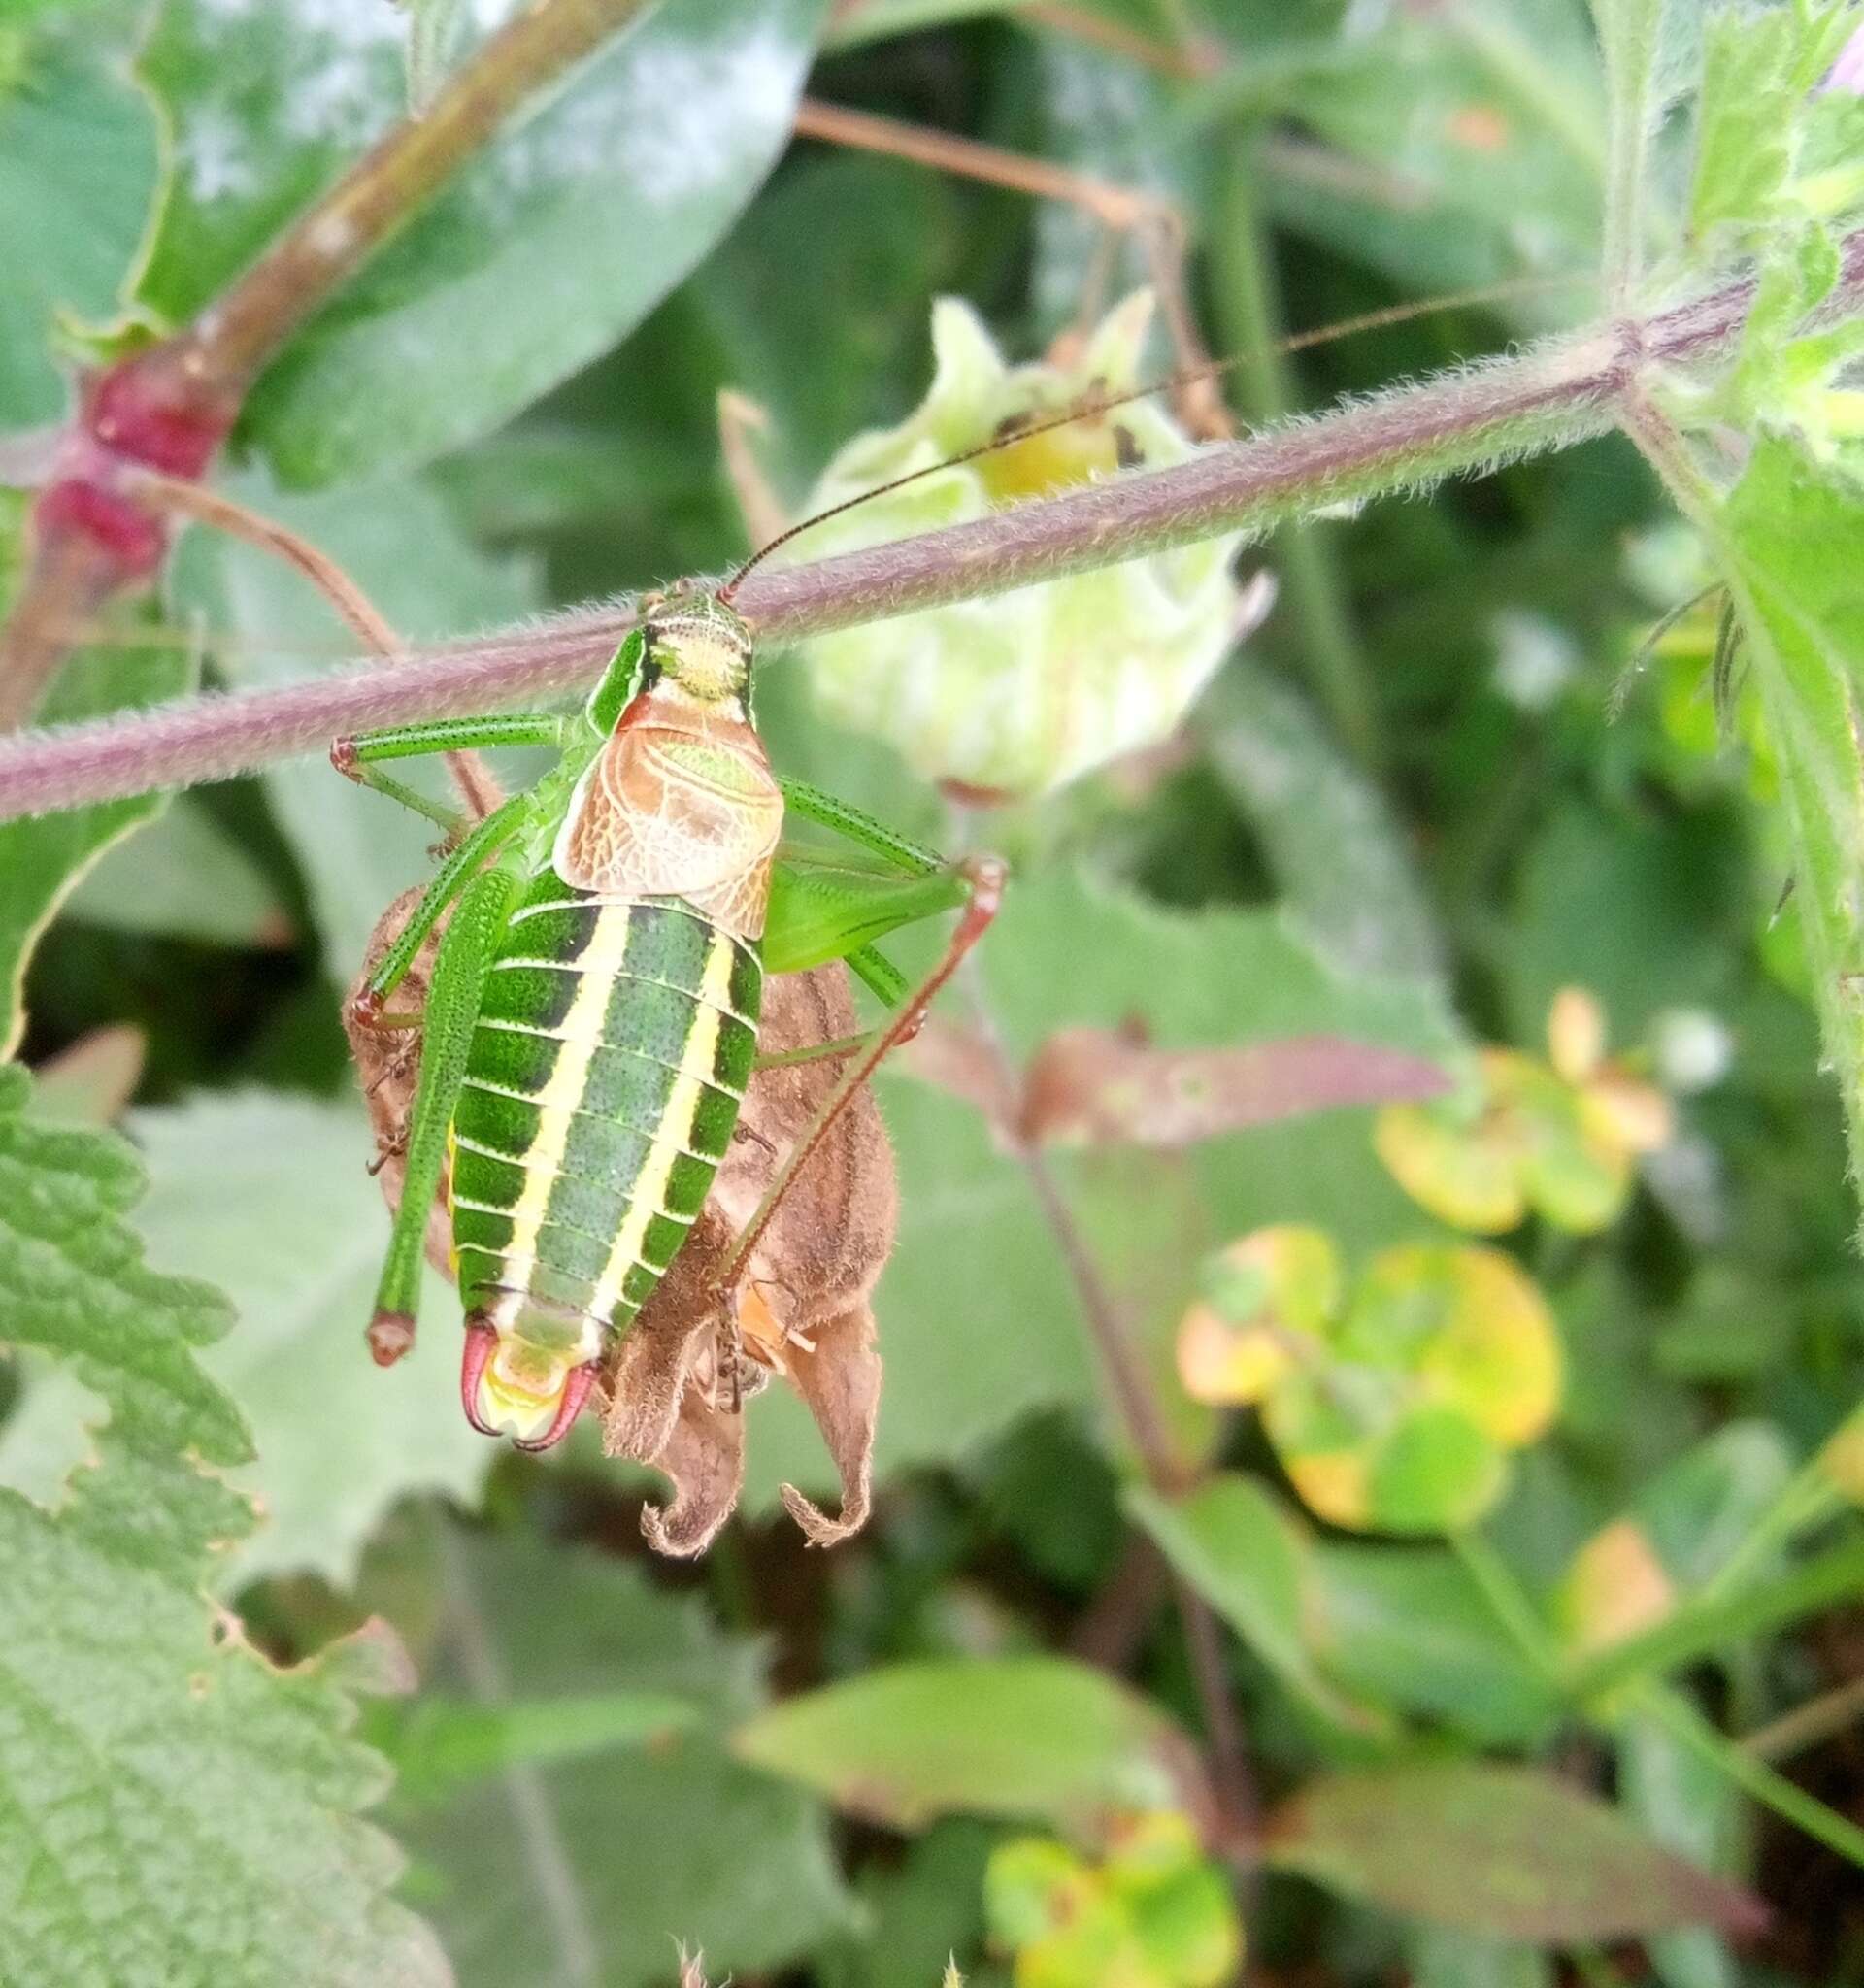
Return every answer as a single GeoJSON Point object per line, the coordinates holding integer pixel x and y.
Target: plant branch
{"type": "Point", "coordinates": [1560, 391]}
{"type": "Point", "coordinates": [168, 408]}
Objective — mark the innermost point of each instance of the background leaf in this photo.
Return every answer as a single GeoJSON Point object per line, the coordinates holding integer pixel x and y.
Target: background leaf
{"type": "Point", "coordinates": [271, 1194]}
{"type": "Point", "coordinates": [533, 1873]}
{"type": "Point", "coordinates": [77, 157]}
{"type": "Point", "coordinates": [554, 240]}
{"type": "Point", "coordinates": [1494, 1850]}
{"type": "Point", "coordinates": [172, 1806]}
{"type": "Point", "coordinates": [1021, 1737]}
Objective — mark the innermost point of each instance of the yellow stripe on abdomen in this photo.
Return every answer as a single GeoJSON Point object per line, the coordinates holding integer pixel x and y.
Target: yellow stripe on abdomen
{"type": "Point", "coordinates": [670, 1143]}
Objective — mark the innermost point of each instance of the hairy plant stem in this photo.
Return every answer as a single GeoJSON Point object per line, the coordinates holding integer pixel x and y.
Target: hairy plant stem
{"type": "Point", "coordinates": [169, 408]}
{"type": "Point", "coordinates": [1557, 392]}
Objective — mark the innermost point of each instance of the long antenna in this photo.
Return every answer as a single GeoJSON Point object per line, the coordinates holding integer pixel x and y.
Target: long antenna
{"type": "Point", "coordinates": [1015, 431]}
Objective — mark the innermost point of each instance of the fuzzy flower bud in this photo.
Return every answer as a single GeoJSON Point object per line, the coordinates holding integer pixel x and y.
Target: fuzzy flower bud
{"type": "Point", "coordinates": [1016, 695]}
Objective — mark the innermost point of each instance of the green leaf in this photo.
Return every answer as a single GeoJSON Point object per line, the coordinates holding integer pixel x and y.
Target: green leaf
{"type": "Point", "coordinates": [1032, 1737]}
{"type": "Point", "coordinates": [599, 1864]}
{"type": "Point", "coordinates": [77, 158]}
{"type": "Point", "coordinates": [1645, 911]}
{"type": "Point", "coordinates": [170, 1808]}
{"type": "Point", "coordinates": [42, 860]}
{"type": "Point", "coordinates": [862, 242]}
{"type": "Point", "coordinates": [1475, 147]}
{"type": "Point", "coordinates": [184, 874]}
{"type": "Point", "coordinates": [445, 1742]}
{"type": "Point", "coordinates": [1337, 852]}
{"type": "Point", "coordinates": [1069, 951]}
{"type": "Point", "coordinates": [1758, 71]}
{"type": "Point", "coordinates": [398, 543]}
{"type": "Point", "coordinates": [269, 1195]}
{"type": "Point", "coordinates": [549, 244]}
{"type": "Point", "coordinates": [1687, 1805]}
{"type": "Point", "coordinates": [1411, 1629]}
{"type": "Point", "coordinates": [1250, 1556]}
{"type": "Point", "coordinates": [1497, 1851]}
{"type": "Point", "coordinates": [1786, 537]}
{"type": "Point", "coordinates": [1439, 1958]}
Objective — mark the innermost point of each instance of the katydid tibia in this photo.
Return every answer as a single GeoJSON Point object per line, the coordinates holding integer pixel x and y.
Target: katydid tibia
{"type": "Point", "coordinates": [591, 1021]}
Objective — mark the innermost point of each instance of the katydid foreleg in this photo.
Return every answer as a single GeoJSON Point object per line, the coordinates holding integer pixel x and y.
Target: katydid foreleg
{"type": "Point", "coordinates": [454, 873]}
{"type": "Point", "coordinates": [359, 758]}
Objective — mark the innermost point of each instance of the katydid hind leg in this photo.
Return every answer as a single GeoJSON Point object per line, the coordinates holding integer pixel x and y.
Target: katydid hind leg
{"type": "Point", "coordinates": [452, 1008]}
{"type": "Point", "coordinates": [821, 910]}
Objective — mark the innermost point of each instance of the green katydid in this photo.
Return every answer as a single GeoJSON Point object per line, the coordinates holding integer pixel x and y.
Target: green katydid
{"type": "Point", "coordinates": [591, 1020]}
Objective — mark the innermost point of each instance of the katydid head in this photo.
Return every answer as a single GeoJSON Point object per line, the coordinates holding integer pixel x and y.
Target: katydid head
{"type": "Point", "coordinates": [514, 1388]}
{"type": "Point", "coordinates": [692, 643]}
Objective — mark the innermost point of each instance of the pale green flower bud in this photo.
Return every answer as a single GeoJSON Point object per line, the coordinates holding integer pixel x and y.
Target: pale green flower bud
{"type": "Point", "coordinates": [1015, 695]}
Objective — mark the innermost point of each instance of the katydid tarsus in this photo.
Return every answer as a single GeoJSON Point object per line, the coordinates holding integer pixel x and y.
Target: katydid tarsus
{"type": "Point", "coordinates": [590, 1021]}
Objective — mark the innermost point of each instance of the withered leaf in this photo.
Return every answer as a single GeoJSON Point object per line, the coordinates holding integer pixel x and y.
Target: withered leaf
{"type": "Point", "coordinates": [805, 1311]}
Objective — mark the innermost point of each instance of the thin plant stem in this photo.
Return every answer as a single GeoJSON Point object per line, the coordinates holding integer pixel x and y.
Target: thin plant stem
{"type": "Point", "coordinates": [478, 788]}
{"type": "Point", "coordinates": [1144, 1424]}
{"type": "Point", "coordinates": [1806, 1725]}
{"type": "Point", "coordinates": [1404, 440]}
{"type": "Point", "coordinates": [1627, 31]}
{"type": "Point", "coordinates": [1186, 65]}
{"type": "Point", "coordinates": [1251, 310]}
{"type": "Point", "coordinates": [1117, 207]}
{"type": "Point", "coordinates": [1510, 1604]}
{"type": "Point", "coordinates": [1556, 392]}
{"type": "Point", "coordinates": [1751, 1774]}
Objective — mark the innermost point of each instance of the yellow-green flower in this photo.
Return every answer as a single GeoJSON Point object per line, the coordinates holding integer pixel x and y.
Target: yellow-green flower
{"type": "Point", "coordinates": [1392, 1406]}
{"type": "Point", "coordinates": [1154, 1912]}
{"type": "Point", "coordinates": [1559, 1136]}
{"type": "Point", "coordinates": [1016, 695]}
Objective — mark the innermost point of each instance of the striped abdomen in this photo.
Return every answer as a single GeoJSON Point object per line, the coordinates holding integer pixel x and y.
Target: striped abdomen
{"type": "Point", "coordinates": [613, 1048]}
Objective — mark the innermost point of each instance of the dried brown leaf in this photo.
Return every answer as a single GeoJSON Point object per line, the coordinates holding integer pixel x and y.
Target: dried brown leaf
{"type": "Point", "coordinates": [679, 1384]}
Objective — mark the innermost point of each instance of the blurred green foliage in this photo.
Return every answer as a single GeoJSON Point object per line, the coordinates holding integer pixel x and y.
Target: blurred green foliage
{"type": "Point", "coordinates": [1608, 1700]}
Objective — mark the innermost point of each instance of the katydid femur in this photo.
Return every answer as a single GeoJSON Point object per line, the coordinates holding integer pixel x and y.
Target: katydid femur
{"type": "Point", "coordinates": [591, 1021]}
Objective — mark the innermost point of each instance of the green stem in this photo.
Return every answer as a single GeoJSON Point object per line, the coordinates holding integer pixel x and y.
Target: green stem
{"type": "Point", "coordinates": [1699, 1629]}
{"type": "Point", "coordinates": [1513, 1607]}
{"type": "Point", "coordinates": [1684, 1724]}
{"type": "Point", "coordinates": [1627, 31]}
{"type": "Point", "coordinates": [1250, 312]}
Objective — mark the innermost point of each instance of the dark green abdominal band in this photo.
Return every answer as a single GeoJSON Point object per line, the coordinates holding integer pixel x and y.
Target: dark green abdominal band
{"type": "Point", "coordinates": [610, 1058]}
